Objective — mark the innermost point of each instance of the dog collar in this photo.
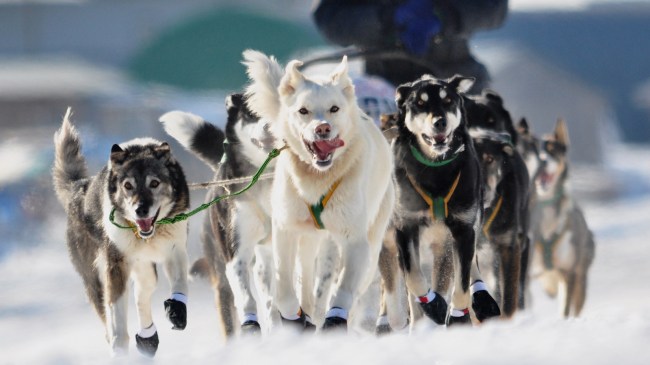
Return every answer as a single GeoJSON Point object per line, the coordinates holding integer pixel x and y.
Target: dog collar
{"type": "Point", "coordinates": [559, 195]}
{"type": "Point", "coordinates": [425, 161]}
{"type": "Point", "coordinates": [317, 209]}
{"type": "Point", "coordinates": [437, 205]}
{"type": "Point", "coordinates": [493, 215]}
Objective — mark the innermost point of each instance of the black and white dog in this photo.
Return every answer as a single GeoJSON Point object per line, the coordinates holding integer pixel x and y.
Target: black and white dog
{"type": "Point", "coordinates": [564, 245]}
{"type": "Point", "coordinates": [506, 196]}
{"type": "Point", "coordinates": [141, 184]}
{"type": "Point", "coordinates": [506, 219]}
{"type": "Point", "coordinates": [439, 199]}
{"type": "Point", "coordinates": [237, 231]}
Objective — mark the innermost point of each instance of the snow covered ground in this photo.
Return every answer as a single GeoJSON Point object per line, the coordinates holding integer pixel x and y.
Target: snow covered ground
{"type": "Point", "coordinates": [45, 317]}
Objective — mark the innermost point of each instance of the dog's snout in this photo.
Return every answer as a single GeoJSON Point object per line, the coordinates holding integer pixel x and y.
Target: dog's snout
{"type": "Point", "coordinates": [323, 129]}
{"type": "Point", "coordinates": [440, 124]}
{"type": "Point", "coordinates": [542, 163]}
{"type": "Point", "coordinates": [142, 210]}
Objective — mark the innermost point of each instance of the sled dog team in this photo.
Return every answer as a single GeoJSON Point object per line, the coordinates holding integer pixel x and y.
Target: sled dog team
{"type": "Point", "coordinates": [446, 215]}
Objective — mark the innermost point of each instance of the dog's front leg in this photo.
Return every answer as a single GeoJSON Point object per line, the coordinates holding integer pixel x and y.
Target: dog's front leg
{"type": "Point", "coordinates": [432, 303]}
{"type": "Point", "coordinates": [510, 258]}
{"type": "Point", "coordinates": [393, 313]}
{"type": "Point", "coordinates": [251, 230]}
{"type": "Point", "coordinates": [357, 256]}
{"type": "Point", "coordinates": [144, 278]}
{"type": "Point", "coordinates": [284, 256]}
{"type": "Point", "coordinates": [307, 250]}
{"type": "Point", "coordinates": [264, 271]}
{"type": "Point", "coordinates": [238, 272]}
{"type": "Point", "coordinates": [326, 273]}
{"type": "Point", "coordinates": [116, 318]}
{"type": "Point", "coordinates": [115, 276]}
{"type": "Point", "coordinates": [176, 270]}
{"type": "Point", "coordinates": [464, 248]}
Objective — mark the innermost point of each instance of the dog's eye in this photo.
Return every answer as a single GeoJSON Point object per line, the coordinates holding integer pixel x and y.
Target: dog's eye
{"type": "Point", "coordinates": [489, 158]}
{"type": "Point", "coordinates": [446, 101]}
{"type": "Point", "coordinates": [128, 186]}
{"type": "Point", "coordinates": [420, 102]}
{"type": "Point", "coordinates": [334, 109]}
{"type": "Point", "coordinates": [303, 111]}
{"type": "Point", "coordinates": [549, 147]}
{"type": "Point", "coordinates": [154, 184]}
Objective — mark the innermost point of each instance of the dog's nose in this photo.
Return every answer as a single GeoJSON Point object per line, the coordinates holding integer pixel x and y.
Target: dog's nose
{"type": "Point", "coordinates": [323, 129]}
{"type": "Point", "coordinates": [142, 210]}
{"type": "Point", "coordinates": [440, 124]}
{"type": "Point", "coordinates": [542, 163]}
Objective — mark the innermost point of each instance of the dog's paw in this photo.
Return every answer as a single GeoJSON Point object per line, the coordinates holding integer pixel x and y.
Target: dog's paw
{"type": "Point", "coordinates": [309, 327]}
{"type": "Point", "coordinates": [251, 327]}
{"type": "Point", "coordinates": [335, 324]}
{"type": "Point", "coordinates": [456, 317]}
{"type": "Point", "coordinates": [176, 312]}
{"type": "Point", "coordinates": [383, 329]}
{"type": "Point", "coordinates": [436, 309]}
{"type": "Point", "coordinates": [300, 324]}
{"type": "Point", "coordinates": [147, 346]}
{"type": "Point", "coordinates": [484, 305]}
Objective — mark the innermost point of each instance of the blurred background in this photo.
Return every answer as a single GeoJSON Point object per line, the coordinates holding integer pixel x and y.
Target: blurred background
{"type": "Point", "coordinates": [121, 64]}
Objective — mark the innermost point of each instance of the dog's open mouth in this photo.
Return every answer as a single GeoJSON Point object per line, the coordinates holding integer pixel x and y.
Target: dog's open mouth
{"type": "Point", "coordinates": [323, 150]}
{"type": "Point", "coordinates": [545, 179]}
{"type": "Point", "coordinates": [147, 226]}
{"type": "Point", "coordinates": [438, 140]}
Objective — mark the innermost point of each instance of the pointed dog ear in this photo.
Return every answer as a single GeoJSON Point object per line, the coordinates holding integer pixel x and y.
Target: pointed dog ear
{"type": "Point", "coordinates": [292, 79]}
{"type": "Point", "coordinates": [401, 93]}
{"type": "Point", "coordinates": [234, 103]}
{"type": "Point", "coordinates": [234, 100]}
{"type": "Point", "coordinates": [341, 78]}
{"type": "Point", "coordinates": [118, 155]}
{"type": "Point", "coordinates": [493, 96]}
{"type": "Point", "coordinates": [522, 127]}
{"type": "Point", "coordinates": [162, 151]}
{"type": "Point", "coordinates": [462, 84]}
{"type": "Point", "coordinates": [340, 70]}
{"type": "Point", "coordinates": [561, 132]}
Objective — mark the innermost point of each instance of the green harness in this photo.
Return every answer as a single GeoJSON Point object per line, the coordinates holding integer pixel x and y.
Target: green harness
{"type": "Point", "coordinates": [548, 246]}
{"type": "Point", "coordinates": [437, 205]}
{"type": "Point", "coordinates": [425, 161]}
{"type": "Point", "coordinates": [317, 209]}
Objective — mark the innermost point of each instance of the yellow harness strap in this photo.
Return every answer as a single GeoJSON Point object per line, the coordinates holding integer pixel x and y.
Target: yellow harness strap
{"type": "Point", "coordinates": [317, 209]}
{"type": "Point", "coordinates": [438, 206]}
{"type": "Point", "coordinates": [493, 215]}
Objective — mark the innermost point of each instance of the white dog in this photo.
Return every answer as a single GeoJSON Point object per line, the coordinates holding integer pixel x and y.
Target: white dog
{"type": "Point", "coordinates": [333, 182]}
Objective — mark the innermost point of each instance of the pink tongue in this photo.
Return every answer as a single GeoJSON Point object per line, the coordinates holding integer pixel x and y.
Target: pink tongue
{"type": "Point", "coordinates": [144, 224]}
{"type": "Point", "coordinates": [328, 146]}
{"type": "Point", "coordinates": [546, 178]}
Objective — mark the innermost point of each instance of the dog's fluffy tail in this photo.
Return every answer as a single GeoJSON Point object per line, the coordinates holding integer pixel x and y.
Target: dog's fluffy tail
{"type": "Point", "coordinates": [265, 74]}
{"type": "Point", "coordinates": [201, 138]}
{"type": "Point", "coordinates": [69, 163]}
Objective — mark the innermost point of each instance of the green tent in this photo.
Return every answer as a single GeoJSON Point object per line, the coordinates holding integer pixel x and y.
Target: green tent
{"type": "Point", "coordinates": [205, 52]}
